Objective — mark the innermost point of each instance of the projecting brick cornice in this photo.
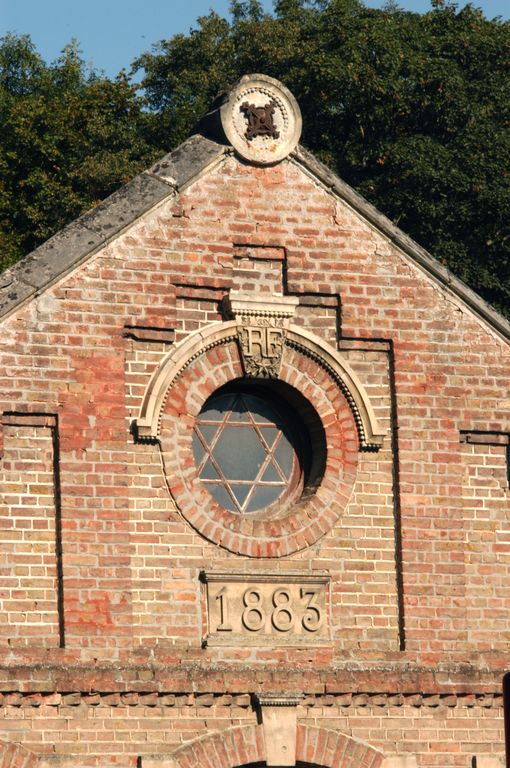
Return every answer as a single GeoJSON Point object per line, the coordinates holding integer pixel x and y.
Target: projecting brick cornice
{"type": "Point", "coordinates": [171, 677]}
{"type": "Point", "coordinates": [186, 700]}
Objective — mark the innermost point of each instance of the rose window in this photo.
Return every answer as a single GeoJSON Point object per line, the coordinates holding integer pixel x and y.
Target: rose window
{"type": "Point", "coordinates": [247, 451]}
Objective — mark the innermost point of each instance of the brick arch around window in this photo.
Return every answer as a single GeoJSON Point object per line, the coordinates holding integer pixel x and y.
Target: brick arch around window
{"type": "Point", "coordinates": [317, 352]}
{"type": "Point", "coordinates": [16, 756]}
{"type": "Point", "coordinates": [210, 359]}
{"type": "Point", "coordinates": [243, 745]}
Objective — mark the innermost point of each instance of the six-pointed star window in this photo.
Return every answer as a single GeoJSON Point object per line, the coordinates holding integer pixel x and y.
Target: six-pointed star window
{"type": "Point", "coordinates": [245, 451]}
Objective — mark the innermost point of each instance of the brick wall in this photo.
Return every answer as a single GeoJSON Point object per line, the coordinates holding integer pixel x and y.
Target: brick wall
{"type": "Point", "coordinates": [418, 554]}
{"type": "Point", "coordinates": [92, 729]}
{"type": "Point", "coordinates": [28, 574]}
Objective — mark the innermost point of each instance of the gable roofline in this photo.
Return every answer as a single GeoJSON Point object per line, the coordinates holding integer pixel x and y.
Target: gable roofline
{"type": "Point", "coordinates": [92, 231]}
{"type": "Point", "coordinates": [405, 243]}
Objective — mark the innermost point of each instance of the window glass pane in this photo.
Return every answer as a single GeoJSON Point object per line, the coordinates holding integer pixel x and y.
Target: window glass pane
{"type": "Point", "coordinates": [240, 492]}
{"type": "Point", "coordinates": [271, 475]}
{"type": "Point", "coordinates": [251, 453]}
{"type": "Point", "coordinates": [284, 455]}
{"type": "Point", "coordinates": [209, 472]}
{"type": "Point", "coordinates": [263, 413]}
{"type": "Point", "coordinates": [220, 494]}
{"type": "Point", "coordinates": [263, 496]}
{"type": "Point", "coordinates": [269, 434]}
{"type": "Point", "coordinates": [198, 449]}
{"type": "Point", "coordinates": [215, 410]}
{"type": "Point", "coordinates": [208, 432]}
{"type": "Point", "coordinates": [240, 411]}
{"type": "Point", "coordinates": [239, 453]}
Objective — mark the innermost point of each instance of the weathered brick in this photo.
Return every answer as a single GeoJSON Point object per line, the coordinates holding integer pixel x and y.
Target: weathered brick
{"type": "Point", "coordinates": [102, 549]}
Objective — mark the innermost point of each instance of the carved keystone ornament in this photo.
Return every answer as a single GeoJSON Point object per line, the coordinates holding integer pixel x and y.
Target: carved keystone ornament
{"type": "Point", "coordinates": [279, 724]}
{"type": "Point", "coordinates": [261, 119]}
{"type": "Point", "coordinates": [262, 324]}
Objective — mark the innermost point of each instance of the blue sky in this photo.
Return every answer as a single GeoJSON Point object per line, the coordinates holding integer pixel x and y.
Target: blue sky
{"type": "Point", "coordinates": [112, 33]}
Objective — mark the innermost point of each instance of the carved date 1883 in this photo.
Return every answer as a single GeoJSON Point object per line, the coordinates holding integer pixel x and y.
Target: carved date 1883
{"type": "Point", "coordinates": [281, 609]}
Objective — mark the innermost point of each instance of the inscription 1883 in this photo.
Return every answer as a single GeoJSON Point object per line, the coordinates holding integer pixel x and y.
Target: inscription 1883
{"type": "Point", "coordinates": [276, 609]}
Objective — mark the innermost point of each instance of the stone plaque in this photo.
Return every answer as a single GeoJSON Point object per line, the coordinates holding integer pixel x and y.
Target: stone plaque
{"type": "Point", "coordinates": [266, 609]}
{"type": "Point", "coordinates": [261, 119]}
{"type": "Point", "coordinates": [262, 346]}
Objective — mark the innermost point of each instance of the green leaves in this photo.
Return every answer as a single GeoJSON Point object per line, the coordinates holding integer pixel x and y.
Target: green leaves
{"type": "Point", "coordinates": [411, 109]}
{"type": "Point", "coordinates": [68, 138]}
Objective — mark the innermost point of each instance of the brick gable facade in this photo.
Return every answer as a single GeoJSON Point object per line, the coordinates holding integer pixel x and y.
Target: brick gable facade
{"type": "Point", "coordinates": [114, 336]}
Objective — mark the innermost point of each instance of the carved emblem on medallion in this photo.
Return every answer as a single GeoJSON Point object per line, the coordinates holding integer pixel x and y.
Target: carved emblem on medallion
{"type": "Point", "coordinates": [260, 120]}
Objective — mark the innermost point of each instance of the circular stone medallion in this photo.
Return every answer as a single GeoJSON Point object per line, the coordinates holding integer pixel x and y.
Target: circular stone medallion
{"type": "Point", "coordinates": [261, 119]}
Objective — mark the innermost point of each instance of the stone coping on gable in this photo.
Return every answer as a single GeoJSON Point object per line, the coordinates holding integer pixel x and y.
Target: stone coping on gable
{"type": "Point", "coordinates": [70, 247]}
{"type": "Point", "coordinates": [409, 246]}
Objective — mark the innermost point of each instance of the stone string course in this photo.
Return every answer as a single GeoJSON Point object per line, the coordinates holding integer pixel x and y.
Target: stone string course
{"type": "Point", "coordinates": [244, 700]}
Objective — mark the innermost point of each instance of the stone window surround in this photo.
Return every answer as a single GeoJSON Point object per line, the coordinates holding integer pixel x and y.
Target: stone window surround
{"type": "Point", "coordinates": [207, 360]}
{"type": "Point", "coordinates": [147, 425]}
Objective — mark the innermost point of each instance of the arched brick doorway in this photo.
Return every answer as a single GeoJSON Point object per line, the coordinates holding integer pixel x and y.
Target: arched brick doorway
{"type": "Point", "coordinates": [16, 756]}
{"type": "Point", "coordinates": [244, 746]}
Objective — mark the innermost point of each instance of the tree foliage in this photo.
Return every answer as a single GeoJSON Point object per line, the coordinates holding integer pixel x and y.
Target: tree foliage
{"type": "Point", "coordinates": [411, 109]}
{"type": "Point", "coordinates": [68, 138]}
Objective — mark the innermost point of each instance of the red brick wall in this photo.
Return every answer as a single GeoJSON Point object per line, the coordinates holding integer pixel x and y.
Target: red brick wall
{"type": "Point", "coordinates": [95, 729]}
{"type": "Point", "coordinates": [418, 559]}
{"type": "Point", "coordinates": [28, 559]}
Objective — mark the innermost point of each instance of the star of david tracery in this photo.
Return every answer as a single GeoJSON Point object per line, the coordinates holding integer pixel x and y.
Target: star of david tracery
{"type": "Point", "coordinates": [243, 452]}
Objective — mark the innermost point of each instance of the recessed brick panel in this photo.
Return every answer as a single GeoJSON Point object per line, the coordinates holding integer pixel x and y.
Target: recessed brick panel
{"type": "Point", "coordinates": [28, 522]}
